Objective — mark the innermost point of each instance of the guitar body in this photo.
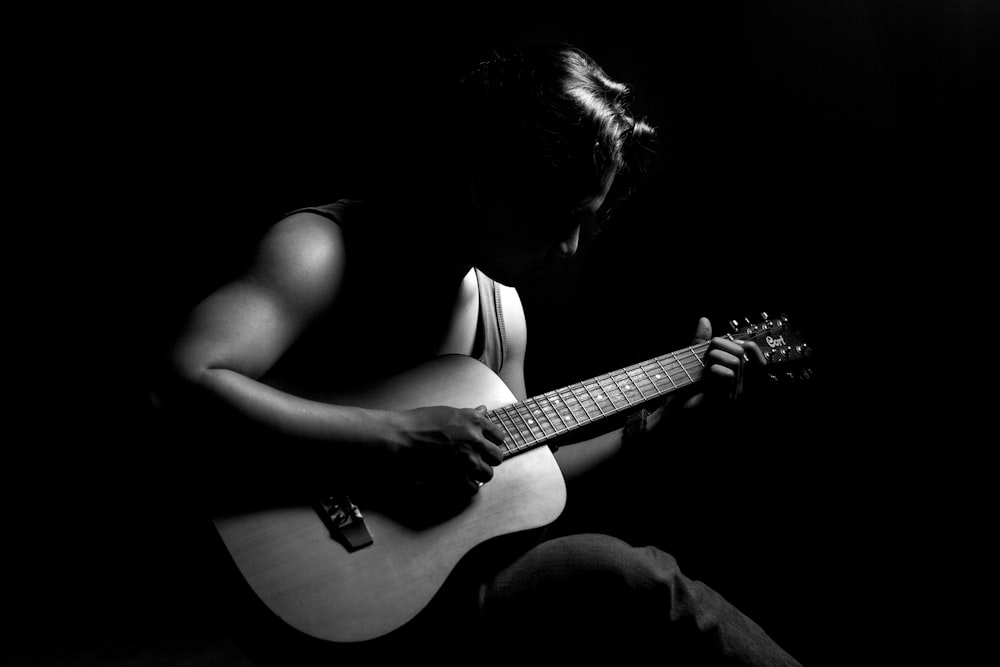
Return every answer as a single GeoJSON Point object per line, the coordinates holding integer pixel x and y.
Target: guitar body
{"type": "Point", "coordinates": [317, 586]}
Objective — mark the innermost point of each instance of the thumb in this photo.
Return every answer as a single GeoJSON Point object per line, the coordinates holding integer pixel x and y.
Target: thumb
{"type": "Point", "coordinates": [703, 332]}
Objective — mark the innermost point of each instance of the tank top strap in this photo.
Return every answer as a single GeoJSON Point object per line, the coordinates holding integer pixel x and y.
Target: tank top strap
{"type": "Point", "coordinates": [334, 211]}
{"type": "Point", "coordinates": [494, 337]}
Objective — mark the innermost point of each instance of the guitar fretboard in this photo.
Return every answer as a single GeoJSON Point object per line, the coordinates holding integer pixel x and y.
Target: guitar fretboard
{"type": "Point", "coordinates": [542, 418]}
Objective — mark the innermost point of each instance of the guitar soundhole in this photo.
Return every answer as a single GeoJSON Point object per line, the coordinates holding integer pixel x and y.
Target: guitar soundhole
{"type": "Point", "coordinates": [421, 507]}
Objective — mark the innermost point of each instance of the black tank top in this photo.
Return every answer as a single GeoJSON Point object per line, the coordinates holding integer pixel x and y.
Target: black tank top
{"type": "Point", "coordinates": [490, 346]}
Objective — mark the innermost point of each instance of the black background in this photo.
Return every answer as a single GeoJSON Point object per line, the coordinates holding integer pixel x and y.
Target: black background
{"type": "Point", "coordinates": [835, 161]}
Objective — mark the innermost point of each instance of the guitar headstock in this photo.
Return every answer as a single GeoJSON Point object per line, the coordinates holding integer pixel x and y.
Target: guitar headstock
{"type": "Point", "coordinates": [787, 353]}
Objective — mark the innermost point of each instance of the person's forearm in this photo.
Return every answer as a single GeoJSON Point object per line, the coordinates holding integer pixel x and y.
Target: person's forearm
{"type": "Point", "coordinates": [230, 398]}
{"type": "Point", "coordinates": [578, 460]}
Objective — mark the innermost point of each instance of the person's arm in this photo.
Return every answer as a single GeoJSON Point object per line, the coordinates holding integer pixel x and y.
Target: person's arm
{"type": "Point", "coordinates": [579, 458]}
{"type": "Point", "coordinates": [725, 359]}
{"type": "Point", "coordinates": [239, 332]}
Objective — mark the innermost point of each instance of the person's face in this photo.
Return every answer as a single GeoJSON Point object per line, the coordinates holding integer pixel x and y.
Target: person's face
{"type": "Point", "coordinates": [522, 236]}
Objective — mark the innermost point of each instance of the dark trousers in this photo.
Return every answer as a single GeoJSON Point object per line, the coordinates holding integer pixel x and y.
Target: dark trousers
{"type": "Point", "coordinates": [560, 593]}
{"type": "Point", "coordinates": [590, 594]}
{"type": "Point", "coordinates": [576, 590]}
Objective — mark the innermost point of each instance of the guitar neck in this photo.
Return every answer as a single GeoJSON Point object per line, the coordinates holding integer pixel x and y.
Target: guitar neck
{"type": "Point", "coordinates": [543, 418]}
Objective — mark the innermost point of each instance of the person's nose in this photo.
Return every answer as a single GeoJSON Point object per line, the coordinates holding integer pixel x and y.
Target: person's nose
{"type": "Point", "coordinates": [567, 247]}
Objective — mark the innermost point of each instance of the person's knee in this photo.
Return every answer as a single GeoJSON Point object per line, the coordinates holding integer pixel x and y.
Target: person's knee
{"type": "Point", "coordinates": [631, 568]}
{"type": "Point", "coordinates": [600, 571]}
{"type": "Point", "coordinates": [649, 586]}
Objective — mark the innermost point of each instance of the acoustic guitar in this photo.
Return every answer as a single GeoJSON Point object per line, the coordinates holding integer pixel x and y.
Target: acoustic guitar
{"type": "Point", "coordinates": [348, 573]}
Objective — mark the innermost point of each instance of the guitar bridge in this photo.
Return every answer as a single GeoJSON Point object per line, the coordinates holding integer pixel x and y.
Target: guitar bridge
{"type": "Point", "coordinates": [345, 522]}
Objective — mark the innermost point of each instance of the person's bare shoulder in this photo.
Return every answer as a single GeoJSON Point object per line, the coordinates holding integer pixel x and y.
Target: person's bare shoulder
{"type": "Point", "coordinates": [302, 260]}
{"type": "Point", "coordinates": [247, 324]}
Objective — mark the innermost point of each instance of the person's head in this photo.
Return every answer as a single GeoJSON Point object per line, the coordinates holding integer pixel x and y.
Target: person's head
{"type": "Point", "coordinates": [543, 136]}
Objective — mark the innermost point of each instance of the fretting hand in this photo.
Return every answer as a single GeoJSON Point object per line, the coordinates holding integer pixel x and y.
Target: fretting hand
{"type": "Point", "coordinates": [724, 360]}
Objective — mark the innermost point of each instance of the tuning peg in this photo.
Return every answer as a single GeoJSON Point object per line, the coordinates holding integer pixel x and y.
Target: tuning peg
{"type": "Point", "coordinates": [734, 325]}
{"type": "Point", "coordinates": [763, 316]}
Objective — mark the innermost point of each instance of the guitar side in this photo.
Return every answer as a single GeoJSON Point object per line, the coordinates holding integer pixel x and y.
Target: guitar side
{"type": "Point", "coordinates": [315, 585]}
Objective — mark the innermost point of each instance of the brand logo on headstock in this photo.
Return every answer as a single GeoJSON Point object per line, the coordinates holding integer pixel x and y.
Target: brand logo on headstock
{"type": "Point", "coordinates": [775, 342]}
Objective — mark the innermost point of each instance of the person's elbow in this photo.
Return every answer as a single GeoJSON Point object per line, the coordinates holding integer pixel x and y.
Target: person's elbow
{"type": "Point", "coordinates": [180, 379]}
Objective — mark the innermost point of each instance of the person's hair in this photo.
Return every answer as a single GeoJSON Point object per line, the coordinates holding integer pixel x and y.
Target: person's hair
{"type": "Point", "coordinates": [550, 117]}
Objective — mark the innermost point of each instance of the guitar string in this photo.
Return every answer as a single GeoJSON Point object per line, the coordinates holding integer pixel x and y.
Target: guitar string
{"type": "Point", "coordinates": [578, 393]}
{"type": "Point", "coordinates": [572, 421]}
{"type": "Point", "coordinates": [672, 366]}
{"type": "Point", "coordinates": [616, 378]}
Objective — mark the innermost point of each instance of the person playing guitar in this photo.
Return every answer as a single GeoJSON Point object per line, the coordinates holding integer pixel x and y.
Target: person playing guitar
{"type": "Point", "coordinates": [341, 296]}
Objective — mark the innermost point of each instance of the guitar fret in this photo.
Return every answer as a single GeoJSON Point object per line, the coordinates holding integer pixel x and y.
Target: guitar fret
{"type": "Point", "coordinates": [579, 408]}
{"type": "Point", "coordinates": [697, 357]}
{"type": "Point", "coordinates": [621, 395]}
{"type": "Point", "coordinates": [568, 417]}
{"type": "Point", "coordinates": [656, 390]}
{"type": "Point", "coordinates": [523, 421]}
{"type": "Point", "coordinates": [516, 433]}
{"type": "Point", "coordinates": [539, 412]}
{"type": "Point", "coordinates": [552, 408]}
{"type": "Point", "coordinates": [628, 402]}
{"type": "Point", "coordinates": [647, 378]}
{"type": "Point", "coordinates": [636, 384]}
{"type": "Point", "coordinates": [594, 400]}
{"type": "Point", "coordinates": [649, 368]}
{"type": "Point", "coordinates": [664, 376]}
{"type": "Point", "coordinates": [682, 367]}
{"type": "Point", "coordinates": [581, 403]}
{"type": "Point", "coordinates": [697, 370]}
{"type": "Point", "coordinates": [530, 424]}
{"type": "Point", "coordinates": [666, 373]}
{"type": "Point", "coordinates": [514, 422]}
{"type": "Point", "coordinates": [504, 426]}
{"type": "Point", "coordinates": [560, 401]}
{"type": "Point", "coordinates": [520, 432]}
{"type": "Point", "coordinates": [601, 396]}
{"type": "Point", "coordinates": [507, 448]}
{"type": "Point", "coordinates": [608, 395]}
